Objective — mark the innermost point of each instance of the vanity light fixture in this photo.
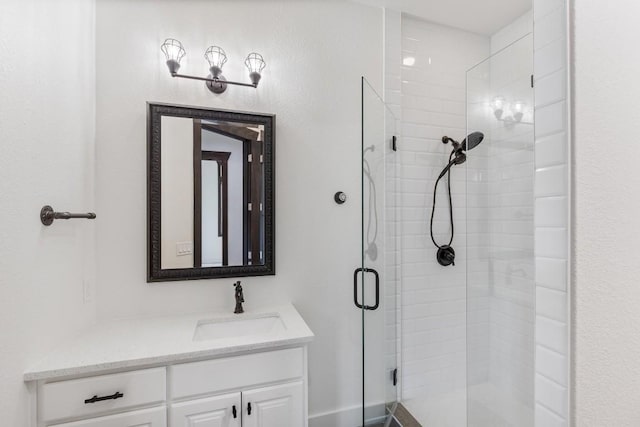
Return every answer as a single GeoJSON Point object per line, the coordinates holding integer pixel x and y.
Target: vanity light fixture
{"type": "Point", "coordinates": [216, 57]}
{"type": "Point", "coordinates": [500, 107]}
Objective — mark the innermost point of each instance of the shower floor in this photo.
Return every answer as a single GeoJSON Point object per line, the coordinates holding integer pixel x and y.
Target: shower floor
{"type": "Point", "coordinates": [451, 410]}
{"type": "Point", "coordinates": [445, 411]}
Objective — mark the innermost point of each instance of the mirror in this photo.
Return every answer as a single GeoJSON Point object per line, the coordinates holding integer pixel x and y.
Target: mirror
{"type": "Point", "coordinates": [210, 193]}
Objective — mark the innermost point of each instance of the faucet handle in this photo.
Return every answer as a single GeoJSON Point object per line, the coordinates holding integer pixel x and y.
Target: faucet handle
{"type": "Point", "coordinates": [239, 297]}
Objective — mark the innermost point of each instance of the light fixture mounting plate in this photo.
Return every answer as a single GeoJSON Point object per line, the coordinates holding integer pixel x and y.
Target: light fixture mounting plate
{"type": "Point", "coordinates": [218, 86]}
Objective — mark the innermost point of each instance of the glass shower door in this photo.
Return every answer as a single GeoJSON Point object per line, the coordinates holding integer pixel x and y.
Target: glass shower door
{"type": "Point", "coordinates": [375, 281]}
{"type": "Point", "coordinates": [500, 239]}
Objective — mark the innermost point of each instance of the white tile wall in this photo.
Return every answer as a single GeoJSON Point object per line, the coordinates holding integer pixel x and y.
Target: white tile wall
{"type": "Point", "coordinates": [551, 213]}
{"type": "Point", "coordinates": [512, 32]}
{"type": "Point", "coordinates": [432, 104]}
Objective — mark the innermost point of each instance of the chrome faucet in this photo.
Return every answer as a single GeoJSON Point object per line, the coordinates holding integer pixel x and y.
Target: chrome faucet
{"type": "Point", "coordinates": [239, 298]}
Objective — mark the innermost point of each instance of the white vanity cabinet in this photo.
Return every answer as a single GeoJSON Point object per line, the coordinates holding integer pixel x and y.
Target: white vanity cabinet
{"type": "Point", "coordinates": [279, 405]}
{"type": "Point", "coordinates": [260, 389]}
{"type": "Point", "coordinates": [189, 370]}
{"type": "Point", "coordinates": [216, 411]}
{"type": "Point", "coordinates": [274, 406]}
{"type": "Point", "coordinates": [270, 390]}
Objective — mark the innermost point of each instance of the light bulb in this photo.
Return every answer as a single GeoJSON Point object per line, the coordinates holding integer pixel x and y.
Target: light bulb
{"type": "Point", "coordinates": [409, 61]}
{"type": "Point", "coordinates": [255, 64]}
{"type": "Point", "coordinates": [173, 52]}
{"type": "Point", "coordinates": [518, 107]}
{"type": "Point", "coordinates": [498, 103]}
{"type": "Point", "coordinates": [216, 57]}
{"type": "Point", "coordinates": [518, 110]}
{"type": "Point", "coordinates": [498, 106]}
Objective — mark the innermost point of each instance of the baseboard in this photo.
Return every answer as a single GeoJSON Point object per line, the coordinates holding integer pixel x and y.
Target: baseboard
{"type": "Point", "coordinates": [349, 417]}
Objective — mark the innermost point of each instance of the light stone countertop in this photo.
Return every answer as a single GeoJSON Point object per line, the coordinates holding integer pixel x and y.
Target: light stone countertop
{"type": "Point", "coordinates": [143, 342]}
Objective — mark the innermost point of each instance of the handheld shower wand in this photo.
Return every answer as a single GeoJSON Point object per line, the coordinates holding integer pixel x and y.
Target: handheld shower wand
{"type": "Point", "coordinates": [446, 255]}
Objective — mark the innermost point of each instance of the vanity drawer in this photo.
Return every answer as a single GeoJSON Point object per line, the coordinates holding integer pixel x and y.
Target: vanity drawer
{"type": "Point", "coordinates": [212, 376]}
{"type": "Point", "coordinates": [66, 399]}
{"type": "Point", "coordinates": [155, 417]}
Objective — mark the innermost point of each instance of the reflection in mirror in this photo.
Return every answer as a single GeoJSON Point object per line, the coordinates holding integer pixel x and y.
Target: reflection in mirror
{"type": "Point", "coordinates": [213, 210]}
{"type": "Point", "coordinates": [214, 213]}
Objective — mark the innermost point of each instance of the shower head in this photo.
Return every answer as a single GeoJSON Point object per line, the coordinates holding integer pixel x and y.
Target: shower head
{"type": "Point", "coordinates": [472, 141]}
{"type": "Point", "coordinates": [458, 155]}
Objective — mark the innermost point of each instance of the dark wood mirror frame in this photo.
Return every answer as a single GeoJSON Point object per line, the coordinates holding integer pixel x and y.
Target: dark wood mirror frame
{"type": "Point", "coordinates": [155, 112]}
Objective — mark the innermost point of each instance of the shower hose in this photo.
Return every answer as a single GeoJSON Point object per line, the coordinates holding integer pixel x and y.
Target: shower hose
{"type": "Point", "coordinates": [447, 172]}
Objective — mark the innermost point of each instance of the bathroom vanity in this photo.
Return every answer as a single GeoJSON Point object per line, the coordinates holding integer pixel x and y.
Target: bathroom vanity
{"type": "Point", "coordinates": [207, 370]}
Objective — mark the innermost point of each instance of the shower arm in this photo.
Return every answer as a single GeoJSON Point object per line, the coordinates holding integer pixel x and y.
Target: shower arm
{"type": "Point", "coordinates": [456, 145]}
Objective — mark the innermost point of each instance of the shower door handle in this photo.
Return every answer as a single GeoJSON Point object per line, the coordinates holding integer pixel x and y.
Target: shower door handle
{"type": "Point", "coordinates": [355, 288]}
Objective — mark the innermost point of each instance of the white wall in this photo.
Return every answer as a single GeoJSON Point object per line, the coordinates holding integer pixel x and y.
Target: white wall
{"type": "Point", "coordinates": [176, 181]}
{"type": "Point", "coordinates": [46, 157]}
{"type": "Point", "coordinates": [607, 208]}
{"type": "Point", "coordinates": [315, 53]}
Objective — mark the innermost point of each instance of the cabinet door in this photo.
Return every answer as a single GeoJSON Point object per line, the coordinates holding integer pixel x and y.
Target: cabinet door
{"type": "Point", "coordinates": [217, 411]}
{"type": "Point", "coordinates": [276, 406]}
{"type": "Point", "coordinates": [154, 417]}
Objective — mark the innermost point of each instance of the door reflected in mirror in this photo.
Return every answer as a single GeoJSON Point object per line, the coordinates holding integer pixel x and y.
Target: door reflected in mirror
{"type": "Point", "coordinates": [215, 172]}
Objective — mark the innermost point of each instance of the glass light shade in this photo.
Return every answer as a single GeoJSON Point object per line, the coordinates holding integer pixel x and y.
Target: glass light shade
{"type": "Point", "coordinates": [216, 57]}
{"type": "Point", "coordinates": [255, 63]}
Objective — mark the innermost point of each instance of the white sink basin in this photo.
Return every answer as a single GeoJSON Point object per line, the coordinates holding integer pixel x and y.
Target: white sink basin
{"type": "Point", "coordinates": [234, 327]}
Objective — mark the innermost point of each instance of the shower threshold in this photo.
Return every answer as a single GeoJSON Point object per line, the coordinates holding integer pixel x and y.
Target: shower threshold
{"type": "Point", "coordinates": [401, 418]}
